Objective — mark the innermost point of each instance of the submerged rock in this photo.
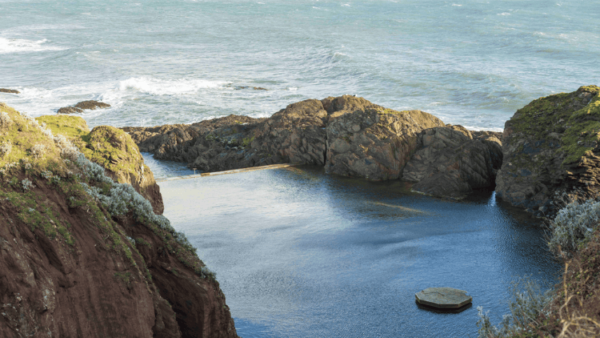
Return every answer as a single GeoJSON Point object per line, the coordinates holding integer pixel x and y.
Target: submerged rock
{"type": "Point", "coordinates": [83, 105]}
{"type": "Point", "coordinates": [10, 91]}
{"type": "Point", "coordinates": [69, 110]}
{"type": "Point", "coordinates": [92, 105]}
{"type": "Point", "coordinates": [552, 147]}
{"type": "Point", "coordinates": [443, 298]}
{"type": "Point", "coordinates": [452, 161]}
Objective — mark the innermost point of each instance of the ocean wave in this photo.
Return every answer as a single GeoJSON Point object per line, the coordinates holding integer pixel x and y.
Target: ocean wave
{"type": "Point", "coordinates": [8, 46]}
{"type": "Point", "coordinates": [168, 87]}
{"type": "Point", "coordinates": [475, 128]}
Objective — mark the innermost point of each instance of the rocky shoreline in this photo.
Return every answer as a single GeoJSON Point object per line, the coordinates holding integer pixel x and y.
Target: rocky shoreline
{"type": "Point", "coordinates": [548, 148]}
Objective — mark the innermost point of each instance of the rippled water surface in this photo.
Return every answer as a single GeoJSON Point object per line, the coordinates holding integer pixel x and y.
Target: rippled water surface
{"type": "Point", "coordinates": [472, 62]}
{"type": "Point", "coordinates": [302, 254]}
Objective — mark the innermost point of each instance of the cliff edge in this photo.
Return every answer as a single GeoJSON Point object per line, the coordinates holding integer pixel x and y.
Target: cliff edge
{"type": "Point", "coordinates": [84, 256]}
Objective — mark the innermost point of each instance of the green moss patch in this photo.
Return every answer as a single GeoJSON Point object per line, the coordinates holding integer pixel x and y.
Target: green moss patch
{"type": "Point", "coordinates": [563, 114]}
{"type": "Point", "coordinates": [69, 126]}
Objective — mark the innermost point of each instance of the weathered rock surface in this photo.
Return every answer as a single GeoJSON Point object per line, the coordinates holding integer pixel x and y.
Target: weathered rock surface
{"type": "Point", "coordinates": [452, 161]}
{"type": "Point", "coordinates": [443, 298]}
{"type": "Point", "coordinates": [295, 134]}
{"type": "Point", "coordinates": [348, 135]}
{"type": "Point", "coordinates": [114, 150]}
{"type": "Point", "coordinates": [551, 147]}
{"type": "Point", "coordinates": [374, 142]}
{"type": "Point", "coordinates": [92, 105]}
{"type": "Point", "coordinates": [69, 110]}
{"type": "Point", "coordinates": [70, 269]}
{"type": "Point", "coordinates": [83, 105]}
{"type": "Point", "coordinates": [10, 91]}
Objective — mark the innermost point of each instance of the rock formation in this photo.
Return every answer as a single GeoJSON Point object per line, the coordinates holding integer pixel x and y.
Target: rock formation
{"type": "Point", "coordinates": [452, 161]}
{"type": "Point", "coordinates": [348, 135]}
{"type": "Point", "coordinates": [9, 91]}
{"type": "Point", "coordinates": [551, 147]}
{"type": "Point", "coordinates": [374, 143]}
{"type": "Point", "coordinates": [84, 256]}
{"type": "Point", "coordinates": [83, 105]}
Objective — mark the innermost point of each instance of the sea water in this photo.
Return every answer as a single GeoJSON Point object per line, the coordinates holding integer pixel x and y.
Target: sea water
{"type": "Point", "coordinates": [469, 62]}
{"type": "Point", "coordinates": [299, 253]}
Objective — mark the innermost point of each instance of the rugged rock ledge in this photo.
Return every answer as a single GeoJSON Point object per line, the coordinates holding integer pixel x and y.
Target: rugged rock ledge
{"type": "Point", "coordinates": [552, 147]}
{"type": "Point", "coordinates": [348, 135]}
{"type": "Point", "coordinates": [452, 161]}
{"type": "Point", "coordinates": [84, 256]}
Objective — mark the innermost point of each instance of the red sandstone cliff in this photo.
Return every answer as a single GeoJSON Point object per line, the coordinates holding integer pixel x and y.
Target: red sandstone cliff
{"type": "Point", "coordinates": [74, 265]}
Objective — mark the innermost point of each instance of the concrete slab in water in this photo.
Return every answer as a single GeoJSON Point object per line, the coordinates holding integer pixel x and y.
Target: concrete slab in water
{"type": "Point", "coordinates": [443, 298]}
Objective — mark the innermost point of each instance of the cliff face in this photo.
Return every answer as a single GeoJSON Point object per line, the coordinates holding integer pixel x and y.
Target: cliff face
{"type": "Point", "coordinates": [84, 256]}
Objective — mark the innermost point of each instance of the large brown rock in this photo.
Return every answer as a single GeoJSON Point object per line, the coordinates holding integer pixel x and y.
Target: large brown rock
{"type": "Point", "coordinates": [295, 134]}
{"type": "Point", "coordinates": [374, 142]}
{"type": "Point", "coordinates": [551, 147]}
{"type": "Point", "coordinates": [452, 161]}
{"type": "Point", "coordinates": [9, 91]}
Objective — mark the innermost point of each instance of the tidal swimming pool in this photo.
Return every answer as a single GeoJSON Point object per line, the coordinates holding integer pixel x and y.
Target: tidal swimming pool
{"type": "Point", "coordinates": [299, 253]}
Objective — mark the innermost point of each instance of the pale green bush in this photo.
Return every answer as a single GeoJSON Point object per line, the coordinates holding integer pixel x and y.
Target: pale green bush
{"type": "Point", "coordinates": [527, 304]}
{"type": "Point", "coordinates": [573, 225]}
{"type": "Point", "coordinates": [5, 120]}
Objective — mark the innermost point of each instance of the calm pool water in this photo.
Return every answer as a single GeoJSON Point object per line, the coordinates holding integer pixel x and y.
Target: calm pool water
{"type": "Point", "coordinates": [300, 253]}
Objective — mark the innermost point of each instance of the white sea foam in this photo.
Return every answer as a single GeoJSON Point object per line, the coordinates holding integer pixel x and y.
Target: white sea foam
{"type": "Point", "coordinates": [456, 5]}
{"type": "Point", "coordinates": [504, 14]}
{"type": "Point", "coordinates": [167, 87]}
{"type": "Point", "coordinates": [8, 46]}
{"type": "Point", "coordinates": [484, 129]}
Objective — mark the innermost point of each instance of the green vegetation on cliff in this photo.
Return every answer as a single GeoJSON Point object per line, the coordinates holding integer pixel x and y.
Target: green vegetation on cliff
{"type": "Point", "coordinates": [562, 117]}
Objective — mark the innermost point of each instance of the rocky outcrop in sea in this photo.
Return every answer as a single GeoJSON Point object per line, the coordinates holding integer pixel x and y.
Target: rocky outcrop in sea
{"type": "Point", "coordinates": [348, 135]}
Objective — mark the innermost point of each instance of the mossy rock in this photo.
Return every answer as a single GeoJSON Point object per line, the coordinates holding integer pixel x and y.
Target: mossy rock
{"type": "Point", "coordinates": [550, 147]}
{"type": "Point", "coordinates": [111, 148]}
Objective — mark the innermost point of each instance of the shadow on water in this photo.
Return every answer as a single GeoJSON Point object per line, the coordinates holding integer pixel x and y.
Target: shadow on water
{"type": "Point", "coordinates": [299, 253]}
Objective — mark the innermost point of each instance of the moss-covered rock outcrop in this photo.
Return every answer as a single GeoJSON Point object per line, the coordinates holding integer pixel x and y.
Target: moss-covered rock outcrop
{"type": "Point", "coordinates": [82, 255]}
{"type": "Point", "coordinates": [111, 148]}
{"type": "Point", "coordinates": [551, 147]}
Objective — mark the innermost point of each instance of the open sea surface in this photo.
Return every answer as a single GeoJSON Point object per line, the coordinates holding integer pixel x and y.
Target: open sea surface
{"type": "Point", "coordinates": [299, 253]}
{"type": "Point", "coordinates": [469, 62]}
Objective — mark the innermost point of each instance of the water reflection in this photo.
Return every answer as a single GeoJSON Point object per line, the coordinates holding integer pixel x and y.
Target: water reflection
{"type": "Point", "coordinates": [302, 254]}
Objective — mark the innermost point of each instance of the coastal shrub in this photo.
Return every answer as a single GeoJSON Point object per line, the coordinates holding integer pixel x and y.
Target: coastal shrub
{"type": "Point", "coordinates": [205, 272]}
{"type": "Point", "coordinates": [573, 225]}
{"type": "Point", "coordinates": [67, 150]}
{"type": "Point", "coordinates": [27, 184]}
{"type": "Point", "coordinates": [38, 150]}
{"type": "Point", "coordinates": [5, 120]}
{"type": "Point", "coordinates": [5, 148]}
{"type": "Point", "coordinates": [528, 303]}
{"type": "Point", "coordinates": [46, 174]}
